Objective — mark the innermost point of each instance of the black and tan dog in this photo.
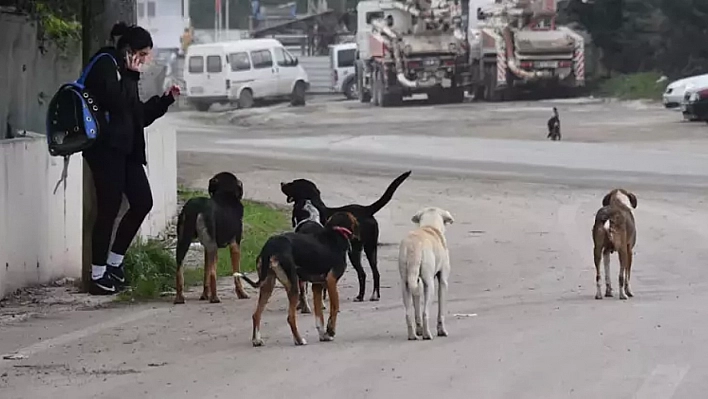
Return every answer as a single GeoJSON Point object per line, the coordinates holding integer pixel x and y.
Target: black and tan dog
{"type": "Point", "coordinates": [303, 189]}
{"type": "Point", "coordinates": [614, 230]}
{"type": "Point", "coordinates": [216, 222]}
{"type": "Point", "coordinates": [319, 259]}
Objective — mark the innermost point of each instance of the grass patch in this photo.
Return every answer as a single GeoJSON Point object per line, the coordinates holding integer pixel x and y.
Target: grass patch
{"type": "Point", "coordinates": [637, 86]}
{"type": "Point", "coordinates": [150, 265]}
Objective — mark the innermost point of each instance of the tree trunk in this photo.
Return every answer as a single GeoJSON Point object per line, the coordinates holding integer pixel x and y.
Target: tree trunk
{"type": "Point", "coordinates": [97, 18]}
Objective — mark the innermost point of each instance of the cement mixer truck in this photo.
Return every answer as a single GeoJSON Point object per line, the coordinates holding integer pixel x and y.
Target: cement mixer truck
{"type": "Point", "coordinates": [516, 44]}
{"type": "Point", "coordinates": [409, 47]}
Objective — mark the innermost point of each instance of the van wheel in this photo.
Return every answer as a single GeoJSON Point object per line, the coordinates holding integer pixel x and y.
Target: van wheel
{"type": "Point", "coordinates": [245, 99]}
{"type": "Point", "coordinates": [350, 89]}
{"type": "Point", "coordinates": [298, 95]}
{"type": "Point", "coordinates": [202, 107]}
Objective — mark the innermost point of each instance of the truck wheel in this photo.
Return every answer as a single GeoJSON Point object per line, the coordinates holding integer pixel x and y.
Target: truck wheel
{"type": "Point", "coordinates": [376, 88]}
{"type": "Point", "coordinates": [245, 99]}
{"type": "Point", "coordinates": [455, 95]}
{"type": "Point", "coordinates": [364, 94]}
{"type": "Point", "coordinates": [490, 83]}
{"type": "Point", "coordinates": [297, 98]}
{"type": "Point", "coordinates": [350, 89]}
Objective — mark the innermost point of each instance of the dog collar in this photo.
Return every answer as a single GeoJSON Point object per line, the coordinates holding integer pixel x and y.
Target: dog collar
{"type": "Point", "coordinates": [348, 233]}
{"type": "Point", "coordinates": [303, 222]}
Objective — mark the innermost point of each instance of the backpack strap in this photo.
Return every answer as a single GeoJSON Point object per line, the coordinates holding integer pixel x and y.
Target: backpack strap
{"type": "Point", "coordinates": [64, 175]}
{"type": "Point", "coordinates": [84, 74]}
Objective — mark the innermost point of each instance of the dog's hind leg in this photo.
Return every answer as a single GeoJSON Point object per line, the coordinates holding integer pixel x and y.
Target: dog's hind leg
{"type": "Point", "coordinates": [606, 257]}
{"type": "Point", "coordinates": [212, 259]}
{"type": "Point", "coordinates": [442, 293]}
{"type": "Point", "coordinates": [623, 272]}
{"type": "Point", "coordinates": [303, 306]}
{"type": "Point", "coordinates": [235, 252]}
{"type": "Point", "coordinates": [408, 306]}
{"type": "Point", "coordinates": [597, 256]}
{"type": "Point", "coordinates": [355, 258]}
{"type": "Point", "coordinates": [263, 296]}
{"type": "Point", "coordinates": [428, 286]}
{"type": "Point", "coordinates": [205, 289]}
{"type": "Point", "coordinates": [628, 270]}
{"type": "Point", "coordinates": [293, 295]}
{"type": "Point", "coordinates": [371, 255]}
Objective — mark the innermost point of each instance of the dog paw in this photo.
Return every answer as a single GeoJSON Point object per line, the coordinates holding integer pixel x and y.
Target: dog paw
{"type": "Point", "coordinates": [374, 298]}
{"type": "Point", "coordinates": [215, 300]}
{"type": "Point", "coordinates": [427, 336]}
{"type": "Point", "coordinates": [242, 295]}
{"type": "Point", "coordinates": [442, 332]}
{"type": "Point", "coordinates": [179, 300]}
{"type": "Point", "coordinates": [359, 299]}
{"type": "Point", "coordinates": [257, 342]}
{"type": "Point", "coordinates": [204, 297]}
{"type": "Point", "coordinates": [326, 338]}
{"type": "Point", "coordinates": [419, 330]}
{"type": "Point", "coordinates": [629, 294]}
{"type": "Point", "coordinates": [598, 296]}
{"type": "Point", "coordinates": [623, 296]}
{"type": "Point", "coordinates": [412, 337]}
{"type": "Point", "coordinates": [301, 342]}
{"type": "Point", "coordinates": [609, 294]}
{"type": "Point", "coordinates": [330, 332]}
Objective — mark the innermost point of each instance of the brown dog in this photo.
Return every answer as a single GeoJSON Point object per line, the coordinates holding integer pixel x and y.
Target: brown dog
{"type": "Point", "coordinates": [316, 258]}
{"type": "Point", "coordinates": [614, 230]}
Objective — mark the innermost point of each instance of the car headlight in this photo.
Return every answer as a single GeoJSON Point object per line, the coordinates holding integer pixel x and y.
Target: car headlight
{"type": "Point", "coordinates": [693, 97]}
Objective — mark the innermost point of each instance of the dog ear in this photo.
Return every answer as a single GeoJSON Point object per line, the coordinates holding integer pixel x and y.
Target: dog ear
{"type": "Point", "coordinates": [416, 218]}
{"type": "Point", "coordinates": [606, 200]}
{"type": "Point", "coordinates": [447, 217]}
{"type": "Point", "coordinates": [632, 199]}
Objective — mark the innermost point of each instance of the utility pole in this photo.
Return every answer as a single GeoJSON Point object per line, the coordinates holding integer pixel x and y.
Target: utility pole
{"type": "Point", "coordinates": [97, 20]}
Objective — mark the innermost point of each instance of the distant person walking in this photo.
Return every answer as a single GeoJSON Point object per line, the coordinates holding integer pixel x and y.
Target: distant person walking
{"type": "Point", "coordinates": [118, 157]}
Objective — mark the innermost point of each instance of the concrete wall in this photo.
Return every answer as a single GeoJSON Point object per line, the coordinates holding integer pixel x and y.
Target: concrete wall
{"type": "Point", "coordinates": [40, 232]}
{"type": "Point", "coordinates": [29, 78]}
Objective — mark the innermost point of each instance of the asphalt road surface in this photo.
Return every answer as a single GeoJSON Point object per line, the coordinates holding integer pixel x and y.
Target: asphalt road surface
{"type": "Point", "coordinates": [521, 315]}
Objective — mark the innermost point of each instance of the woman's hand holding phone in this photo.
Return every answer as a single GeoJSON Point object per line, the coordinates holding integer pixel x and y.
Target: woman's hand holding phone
{"type": "Point", "coordinates": [132, 62]}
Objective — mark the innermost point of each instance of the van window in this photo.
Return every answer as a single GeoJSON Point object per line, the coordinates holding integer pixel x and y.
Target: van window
{"type": "Point", "coordinates": [370, 16]}
{"type": "Point", "coordinates": [214, 64]}
{"type": "Point", "coordinates": [262, 59]}
{"type": "Point", "coordinates": [345, 58]}
{"type": "Point", "coordinates": [283, 58]}
{"type": "Point", "coordinates": [239, 61]}
{"type": "Point", "coordinates": [196, 64]}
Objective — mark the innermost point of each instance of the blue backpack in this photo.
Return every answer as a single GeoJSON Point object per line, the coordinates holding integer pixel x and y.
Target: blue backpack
{"type": "Point", "coordinates": [72, 124]}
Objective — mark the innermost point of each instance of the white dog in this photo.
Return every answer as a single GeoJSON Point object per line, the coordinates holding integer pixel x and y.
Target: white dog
{"type": "Point", "coordinates": [422, 256]}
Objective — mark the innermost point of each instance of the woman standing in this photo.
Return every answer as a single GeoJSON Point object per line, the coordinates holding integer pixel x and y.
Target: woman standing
{"type": "Point", "coordinates": [117, 158]}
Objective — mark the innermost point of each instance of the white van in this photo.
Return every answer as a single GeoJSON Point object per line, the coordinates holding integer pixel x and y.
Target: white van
{"type": "Point", "coordinates": [243, 71]}
{"type": "Point", "coordinates": [341, 62]}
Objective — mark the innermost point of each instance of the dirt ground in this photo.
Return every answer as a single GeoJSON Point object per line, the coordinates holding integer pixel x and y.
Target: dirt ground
{"type": "Point", "coordinates": [521, 315]}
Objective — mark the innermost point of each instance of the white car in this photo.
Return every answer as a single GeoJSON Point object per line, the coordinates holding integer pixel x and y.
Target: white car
{"type": "Point", "coordinates": [242, 71]}
{"type": "Point", "coordinates": [674, 94]}
{"type": "Point", "coordinates": [341, 63]}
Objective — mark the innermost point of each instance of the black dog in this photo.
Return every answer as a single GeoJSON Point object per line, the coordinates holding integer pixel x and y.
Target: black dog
{"type": "Point", "coordinates": [217, 222]}
{"type": "Point", "coordinates": [319, 259]}
{"type": "Point", "coordinates": [554, 126]}
{"type": "Point", "coordinates": [303, 189]}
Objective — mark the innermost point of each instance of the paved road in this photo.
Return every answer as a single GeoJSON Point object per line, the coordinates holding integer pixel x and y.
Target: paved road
{"type": "Point", "coordinates": [522, 319]}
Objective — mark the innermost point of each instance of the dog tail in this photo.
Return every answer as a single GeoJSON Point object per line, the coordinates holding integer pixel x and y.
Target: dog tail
{"type": "Point", "coordinates": [603, 222]}
{"type": "Point", "coordinates": [411, 261]}
{"type": "Point", "coordinates": [388, 194]}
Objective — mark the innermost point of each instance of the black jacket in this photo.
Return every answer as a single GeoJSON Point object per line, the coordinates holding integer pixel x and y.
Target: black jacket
{"type": "Point", "coordinates": [116, 91]}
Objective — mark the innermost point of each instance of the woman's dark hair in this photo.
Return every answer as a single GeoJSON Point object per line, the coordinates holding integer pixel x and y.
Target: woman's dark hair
{"type": "Point", "coordinates": [119, 29]}
{"type": "Point", "coordinates": [135, 37]}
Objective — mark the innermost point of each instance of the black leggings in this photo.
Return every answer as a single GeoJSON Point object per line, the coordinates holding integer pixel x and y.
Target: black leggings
{"type": "Point", "coordinates": [113, 176]}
